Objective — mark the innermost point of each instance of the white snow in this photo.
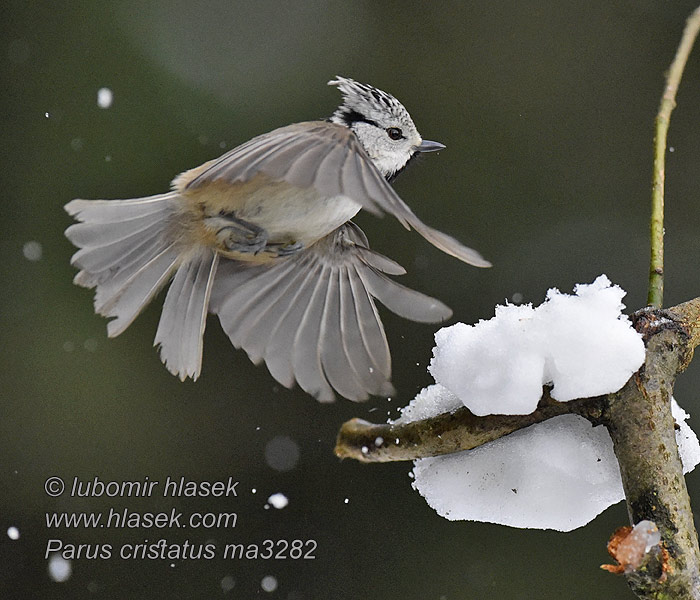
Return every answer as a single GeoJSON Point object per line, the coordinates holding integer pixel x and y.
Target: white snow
{"type": "Point", "coordinates": [580, 343]}
{"type": "Point", "coordinates": [278, 500]}
{"type": "Point", "coordinates": [559, 474]}
{"type": "Point", "coordinates": [269, 583]}
{"type": "Point", "coordinates": [687, 441]}
{"type": "Point", "coordinates": [431, 401]}
{"type": "Point", "coordinates": [13, 533]}
{"type": "Point", "coordinates": [60, 569]}
{"type": "Point", "coordinates": [32, 250]}
{"type": "Point", "coordinates": [105, 97]}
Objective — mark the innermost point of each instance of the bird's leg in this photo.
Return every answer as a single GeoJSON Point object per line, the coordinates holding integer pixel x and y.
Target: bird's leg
{"type": "Point", "coordinates": [236, 234]}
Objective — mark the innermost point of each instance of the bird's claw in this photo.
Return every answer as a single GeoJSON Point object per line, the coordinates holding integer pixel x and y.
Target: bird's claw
{"type": "Point", "coordinates": [282, 250]}
{"type": "Point", "coordinates": [237, 235]}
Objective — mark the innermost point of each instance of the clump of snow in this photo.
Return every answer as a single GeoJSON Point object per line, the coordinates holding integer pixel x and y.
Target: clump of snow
{"type": "Point", "coordinates": [558, 474]}
{"type": "Point", "coordinates": [687, 441]}
{"type": "Point", "coordinates": [580, 343]}
{"type": "Point", "coordinates": [431, 401]}
{"type": "Point", "coordinates": [60, 569]}
{"type": "Point", "coordinates": [13, 533]}
{"type": "Point", "coordinates": [278, 500]}
{"type": "Point", "coordinates": [595, 348]}
{"type": "Point", "coordinates": [105, 97]}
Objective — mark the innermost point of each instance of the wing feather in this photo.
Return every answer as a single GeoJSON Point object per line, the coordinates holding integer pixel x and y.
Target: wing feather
{"type": "Point", "coordinates": [280, 349]}
{"type": "Point", "coordinates": [329, 177]}
{"type": "Point", "coordinates": [247, 301]}
{"type": "Point", "coordinates": [312, 316]}
{"type": "Point", "coordinates": [182, 322]}
{"type": "Point", "coordinates": [255, 332]}
{"type": "Point", "coordinates": [328, 157]}
{"type": "Point", "coordinates": [370, 326]}
{"type": "Point", "coordinates": [357, 356]}
{"type": "Point", "coordinates": [305, 167]}
{"type": "Point", "coordinates": [337, 365]}
{"type": "Point", "coordinates": [403, 301]}
{"type": "Point", "coordinates": [307, 360]}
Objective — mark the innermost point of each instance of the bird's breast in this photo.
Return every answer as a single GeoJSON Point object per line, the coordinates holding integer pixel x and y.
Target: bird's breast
{"type": "Point", "coordinates": [287, 213]}
{"type": "Point", "coordinates": [299, 215]}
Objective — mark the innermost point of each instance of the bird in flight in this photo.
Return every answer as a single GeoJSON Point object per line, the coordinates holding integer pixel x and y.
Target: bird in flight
{"type": "Point", "coordinates": [263, 238]}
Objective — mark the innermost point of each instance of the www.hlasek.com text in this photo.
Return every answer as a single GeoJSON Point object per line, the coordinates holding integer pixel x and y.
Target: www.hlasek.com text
{"type": "Point", "coordinates": [128, 519]}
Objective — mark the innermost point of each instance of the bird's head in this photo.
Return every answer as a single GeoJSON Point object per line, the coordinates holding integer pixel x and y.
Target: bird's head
{"type": "Point", "coordinates": [382, 125]}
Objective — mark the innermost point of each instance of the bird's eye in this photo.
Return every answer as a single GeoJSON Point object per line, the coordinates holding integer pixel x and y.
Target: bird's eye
{"type": "Point", "coordinates": [394, 133]}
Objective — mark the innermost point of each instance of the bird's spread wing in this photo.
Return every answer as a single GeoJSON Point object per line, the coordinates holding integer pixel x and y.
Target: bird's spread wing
{"type": "Point", "coordinates": [312, 318]}
{"type": "Point", "coordinates": [328, 157]}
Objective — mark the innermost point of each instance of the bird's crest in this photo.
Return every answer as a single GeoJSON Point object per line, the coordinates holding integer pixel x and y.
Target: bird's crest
{"type": "Point", "coordinates": [363, 102]}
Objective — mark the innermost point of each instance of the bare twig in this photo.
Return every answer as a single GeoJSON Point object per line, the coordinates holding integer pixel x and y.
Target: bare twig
{"type": "Point", "coordinates": [449, 432]}
{"type": "Point", "coordinates": [668, 102]}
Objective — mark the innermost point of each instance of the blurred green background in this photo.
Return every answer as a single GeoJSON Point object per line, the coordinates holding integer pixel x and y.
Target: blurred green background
{"type": "Point", "coordinates": [546, 109]}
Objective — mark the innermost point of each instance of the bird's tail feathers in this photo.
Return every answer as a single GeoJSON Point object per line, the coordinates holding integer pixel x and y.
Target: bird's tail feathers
{"type": "Point", "coordinates": [127, 255]}
{"type": "Point", "coordinates": [181, 328]}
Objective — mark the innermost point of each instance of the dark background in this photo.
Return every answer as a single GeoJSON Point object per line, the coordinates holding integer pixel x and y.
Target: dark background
{"type": "Point", "coordinates": [547, 112]}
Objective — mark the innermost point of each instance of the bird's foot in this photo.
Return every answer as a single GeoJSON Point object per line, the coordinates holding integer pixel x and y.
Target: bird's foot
{"type": "Point", "coordinates": [237, 235]}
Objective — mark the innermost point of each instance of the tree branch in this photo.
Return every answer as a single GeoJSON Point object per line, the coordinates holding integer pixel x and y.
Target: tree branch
{"type": "Point", "coordinates": [449, 432]}
{"type": "Point", "coordinates": [641, 426]}
{"type": "Point", "coordinates": [668, 102]}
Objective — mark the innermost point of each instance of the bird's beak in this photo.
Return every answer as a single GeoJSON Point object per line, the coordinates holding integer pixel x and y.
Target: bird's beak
{"type": "Point", "coordinates": [428, 146]}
